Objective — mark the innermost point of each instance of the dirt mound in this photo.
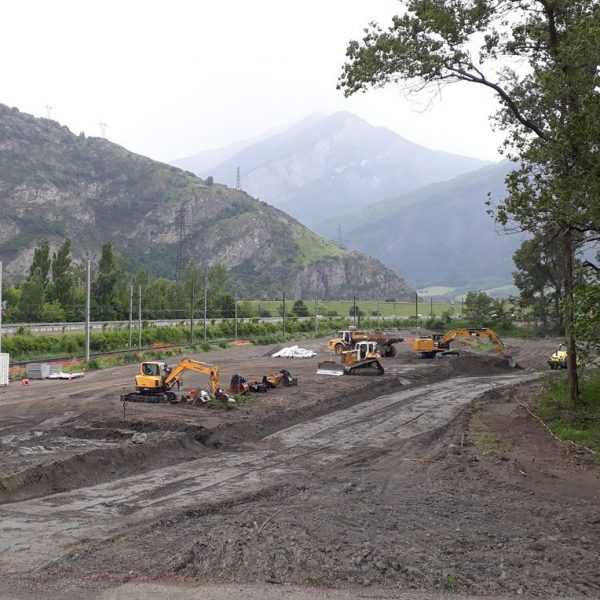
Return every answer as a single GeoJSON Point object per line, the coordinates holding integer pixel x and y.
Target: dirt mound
{"type": "Point", "coordinates": [472, 365]}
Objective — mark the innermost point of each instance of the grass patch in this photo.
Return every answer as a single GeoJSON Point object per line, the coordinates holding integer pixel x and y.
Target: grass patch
{"type": "Point", "coordinates": [488, 443]}
{"type": "Point", "coordinates": [451, 582]}
{"type": "Point", "coordinates": [319, 580]}
{"type": "Point", "coordinates": [581, 425]}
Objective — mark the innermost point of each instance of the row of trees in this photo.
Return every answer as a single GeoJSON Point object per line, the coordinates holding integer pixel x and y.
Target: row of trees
{"type": "Point", "coordinates": [55, 291]}
{"type": "Point", "coordinates": [540, 60]}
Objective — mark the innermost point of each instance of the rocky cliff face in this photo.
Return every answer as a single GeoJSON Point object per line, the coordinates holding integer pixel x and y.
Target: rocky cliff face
{"type": "Point", "coordinates": [55, 184]}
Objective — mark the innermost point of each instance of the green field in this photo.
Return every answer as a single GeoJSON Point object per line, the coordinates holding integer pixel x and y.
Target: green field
{"type": "Point", "coordinates": [369, 308]}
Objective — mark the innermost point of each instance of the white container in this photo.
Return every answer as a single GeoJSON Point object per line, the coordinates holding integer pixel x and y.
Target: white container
{"type": "Point", "coordinates": [4, 358]}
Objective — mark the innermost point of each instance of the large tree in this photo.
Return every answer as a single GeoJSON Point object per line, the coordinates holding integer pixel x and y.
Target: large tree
{"type": "Point", "coordinates": [539, 279]}
{"type": "Point", "coordinates": [41, 261]}
{"type": "Point", "coordinates": [540, 58]}
{"type": "Point", "coordinates": [63, 281]}
{"type": "Point", "coordinates": [108, 289]}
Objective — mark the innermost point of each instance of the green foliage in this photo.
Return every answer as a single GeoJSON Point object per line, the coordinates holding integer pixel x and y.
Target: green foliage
{"type": "Point", "coordinates": [31, 301]}
{"type": "Point", "coordinates": [41, 261]}
{"type": "Point", "coordinates": [581, 425]}
{"type": "Point", "coordinates": [482, 310]}
{"type": "Point", "coordinates": [108, 288]}
{"type": "Point", "coordinates": [53, 312]}
{"type": "Point", "coordinates": [540, 282]}
{"type": "Point", "coordinates": [300, 309]}
{"type": "Point", "coordinates": [63, 281]}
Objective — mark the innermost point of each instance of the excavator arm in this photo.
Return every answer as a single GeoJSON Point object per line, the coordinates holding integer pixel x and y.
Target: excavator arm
{"type": "Point", "coordinates": [430, 346]}
{"type": "Point", "coordinates": [189, 364]}
{"type": "Point", "coordinates": [445, 340]}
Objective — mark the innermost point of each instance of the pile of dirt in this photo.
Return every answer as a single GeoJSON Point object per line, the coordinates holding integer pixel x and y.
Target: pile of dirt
{"type": "Point", "coordinates": [472, 365]}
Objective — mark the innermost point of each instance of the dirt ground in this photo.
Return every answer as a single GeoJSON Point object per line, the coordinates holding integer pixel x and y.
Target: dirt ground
{"type": "Point", "coordinates": [431, 479]}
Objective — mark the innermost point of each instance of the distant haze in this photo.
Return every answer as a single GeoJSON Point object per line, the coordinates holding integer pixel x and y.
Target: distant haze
{"type": "Point", "coordinates": [328, 165]}
{"type": "Point", "coordinates": [169, 79]}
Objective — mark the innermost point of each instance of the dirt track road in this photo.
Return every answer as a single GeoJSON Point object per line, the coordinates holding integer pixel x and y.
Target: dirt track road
{"type": "Point", "coordinates": [428, 478]}
{"type": "Point", "coordinates": [100, 511]}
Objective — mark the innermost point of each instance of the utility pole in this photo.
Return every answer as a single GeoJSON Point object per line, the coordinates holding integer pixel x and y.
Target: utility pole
{"type": "Point", "coordinates": [235, 316]}
{"type": "Point", "coordinates": [87, 311]}
{"type": "Point", "coordinates": [205, 297]}
{"type": "Point", "coordinates": [417, 310]}
{"type": "Point", "coordinates": [192, 315]}
{"type": "Point", "coordinates": [181, 226]}
{"type": "Point", "coordinates": [130, 315]}
{"type": "Point", "coordinates": [283, 315]}
{"type": "Point", "coordinates": [316, 324]}
{"type": "Point", "coordinates": [140, 317]}
{"type": "Point", "coordinates": [238, 182]}
{"type": "Point", "coordinates": [377, 313]}
{"type": "Point", "coordinates": [354, 311]}
{"type": "Point", "coordinates": [431, 308]}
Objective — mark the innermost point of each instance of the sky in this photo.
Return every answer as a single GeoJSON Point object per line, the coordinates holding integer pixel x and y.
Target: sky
{"type": "Point", "coordinates": [170, 78]}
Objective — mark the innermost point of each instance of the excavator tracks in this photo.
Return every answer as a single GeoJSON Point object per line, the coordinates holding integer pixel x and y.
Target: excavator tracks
{"type": "Point", "coordinates": [150, 398]}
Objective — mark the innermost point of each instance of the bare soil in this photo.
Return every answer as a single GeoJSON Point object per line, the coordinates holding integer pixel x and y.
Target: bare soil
{"type": "Point", "coordinates": [432, 478]}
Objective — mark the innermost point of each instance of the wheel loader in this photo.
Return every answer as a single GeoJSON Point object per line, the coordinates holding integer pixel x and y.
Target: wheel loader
{"type": "Point", "coordinates": [155, 381]}
{"type": "Point", "coordinates": [362, 360]}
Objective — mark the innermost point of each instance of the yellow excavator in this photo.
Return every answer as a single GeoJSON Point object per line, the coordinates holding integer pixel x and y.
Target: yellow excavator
{"type": "Point", "coordinates": [431, 346]}
{"type": "Point", "coordinates": [156, 379]}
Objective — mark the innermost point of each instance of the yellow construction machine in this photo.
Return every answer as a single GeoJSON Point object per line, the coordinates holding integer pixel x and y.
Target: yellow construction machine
{"type": "Point", "coordinates": [362, 360]}
{"type": "Point", "coordinates": [438, 343]}
{"type": "Point", "coordinates": [347, 340]}
{"type": "Point", "coordinates": [558, 360]}
{"type": "Point", "coordinates": [156, 379]}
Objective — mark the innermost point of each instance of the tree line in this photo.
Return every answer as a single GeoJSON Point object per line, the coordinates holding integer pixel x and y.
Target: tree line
{"type": "Point", "coordinates": [55, 291]}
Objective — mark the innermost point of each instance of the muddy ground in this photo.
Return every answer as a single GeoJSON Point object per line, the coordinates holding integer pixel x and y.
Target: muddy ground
{"type": "Point", "coordinates": [433, 477]}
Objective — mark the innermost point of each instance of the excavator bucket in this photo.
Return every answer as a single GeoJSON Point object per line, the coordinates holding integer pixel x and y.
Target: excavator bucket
{"type": "Point", "coordinates": [330, 367]}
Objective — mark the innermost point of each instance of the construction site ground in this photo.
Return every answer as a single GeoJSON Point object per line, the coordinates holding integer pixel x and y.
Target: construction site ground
{"type": "Point", "coordinates": [431, 480]}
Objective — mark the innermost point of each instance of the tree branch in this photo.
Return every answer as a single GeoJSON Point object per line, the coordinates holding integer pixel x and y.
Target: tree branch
{"type": "Point", "coordinates": [466, 76]}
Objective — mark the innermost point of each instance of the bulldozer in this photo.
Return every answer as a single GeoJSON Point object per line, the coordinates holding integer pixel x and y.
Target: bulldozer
{"type": "Point", "coordinates": [362, 360]}
{"type": "Point", "coordinates": [439, 344]}
{"type": "Point", "coordinates": [347, 340]}
{"type": "Point", "coordinates": [155, 380]}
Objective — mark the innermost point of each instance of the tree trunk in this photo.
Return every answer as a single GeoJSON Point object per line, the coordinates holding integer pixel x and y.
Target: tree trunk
{"type": "Point", "coordinates": [568, 318]}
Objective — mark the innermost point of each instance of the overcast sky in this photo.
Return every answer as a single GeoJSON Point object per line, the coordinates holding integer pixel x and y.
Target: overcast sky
{"type": "Point", "coordinates": [173, 77]}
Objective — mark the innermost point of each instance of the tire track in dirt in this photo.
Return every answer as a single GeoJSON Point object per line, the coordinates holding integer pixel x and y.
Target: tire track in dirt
{"type": "Point", "coordinates": [37, 531]}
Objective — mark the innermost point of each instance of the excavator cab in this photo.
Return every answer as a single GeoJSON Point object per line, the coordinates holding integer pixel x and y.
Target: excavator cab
{"type": "Point", "coordinates": [152, 376]}
{"type": "Point", "coordinates": [345, 336]}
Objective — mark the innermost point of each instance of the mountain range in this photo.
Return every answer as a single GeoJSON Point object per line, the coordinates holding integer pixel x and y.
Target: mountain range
{"type": "Point", "coordinates": [55, 184]}
{"type": "Point", "coordinates": [439, 235]}
{"type": "Point", "coordinates": [330, 164]}
{"type": "Point", "coordinates": [420, 212]}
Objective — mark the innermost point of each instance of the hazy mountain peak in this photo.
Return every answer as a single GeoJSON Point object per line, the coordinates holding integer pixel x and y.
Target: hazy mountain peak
{"type": "Point", "coordinates": [328, 164]}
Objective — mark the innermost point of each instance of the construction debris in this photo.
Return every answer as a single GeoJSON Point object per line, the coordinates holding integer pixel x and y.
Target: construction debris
{"type": "Point", "coordinates": [294, 352]}
{"type": "Point", "coordinates": [284, 377]}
